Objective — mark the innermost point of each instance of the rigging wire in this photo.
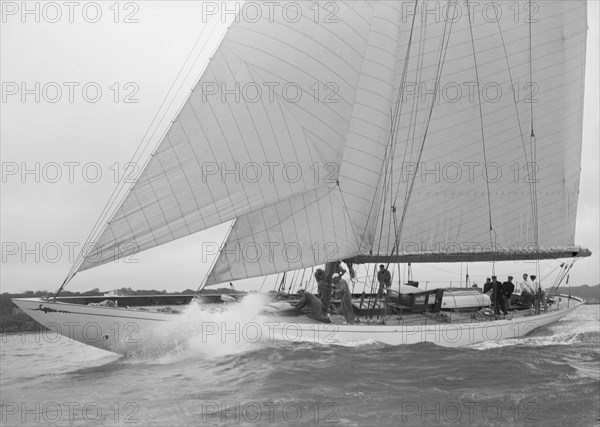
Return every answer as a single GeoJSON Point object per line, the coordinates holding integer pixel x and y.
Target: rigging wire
{"type": "Point", "coordinates": [395, 125]}
{"type": "Point", "coordinates": [444, 43]}
{"type": "Point", "coordinates": [301, 281]}
{"type": "Point", "coordinates": [487, 183]}
{"type": "Point", "coordinates": [383, 170]}
{"type": "Point", "coordinates": [518, 116]}
{"type": "Point", "coordinates": [533, 148]}
{"type": "Point", "coordinates": [216, 258]}
{"type": "Point", "coordinates": [312, 275]}
{"type": "Point", "coordinates": [263, 283]}
{"type": "Point", "coordinates": [98, 227]}
{"type": "Point", "coordinates": [276, 282]}
{"type": "Point", "coordinates": [531, 160]}
{"type": "Point", "coordinates": [387, 164]}
{"type": "Point", "coordinates": [412, 124]}
{"type": "Point", "coordinates": [562, 275]}
{"type": "Point", "coordinates": [348, 215]}
{"type": "Point", "coordinates": [411, 131]}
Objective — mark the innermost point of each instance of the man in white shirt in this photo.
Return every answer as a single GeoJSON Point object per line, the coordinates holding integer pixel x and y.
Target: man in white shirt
{"type": "Point", "coordinates": [526, 291]}
{"type": "Point", "coordinates": [524, 285]}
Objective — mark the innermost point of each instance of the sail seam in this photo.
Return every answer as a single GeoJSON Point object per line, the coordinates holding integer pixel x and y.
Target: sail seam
{"type": "Point", "coordinates": [98, 228]}
{"type": "Point", "coordinates": [414, 111]}
{"type": "Point", "coordinates": [189, 142]}
{"type": "Point", "coordinates": [183, 216]}
{"type": "Point", "coordinates": [516, 113]}
{"type": "Point", "coordinates": [137, 199]}
{"type": "Point", "coordinates": [357, 241]}
{"type": "Point", "coordinates": [187, 180]}
{"type": "Point", "coordinates": [353, 117]}
{"type": "Point", "coordinates": [487, 183]}
{"type": "Point", "coordinates": [445, 39]}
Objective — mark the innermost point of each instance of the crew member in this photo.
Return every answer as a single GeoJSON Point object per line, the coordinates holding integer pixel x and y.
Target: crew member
{"type": "Point", "coordinates": [526, 291]}
{"type": "Point", "coordinates": [332, 268]}
{"type": "Point", "coordinates": [497, 296]}
{"type": "Point", "coordinates": [508, 288]}
{"type": "Point", "coordinates": [384, 278]}
{"type": "Point", "coordinates": [343, 292]}
{"type": "Point", "coordinates": [487, 286]}
{"type": "Point", "coordinates": [538, 294]}
{"type": "Point", "coordinates": [309, 300]}
{"type": "Point", "coordinates": [325, 291]}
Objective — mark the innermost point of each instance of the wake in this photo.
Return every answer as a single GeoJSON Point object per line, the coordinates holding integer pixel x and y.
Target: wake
{"type": "Point", "coordinates": [565, 332]}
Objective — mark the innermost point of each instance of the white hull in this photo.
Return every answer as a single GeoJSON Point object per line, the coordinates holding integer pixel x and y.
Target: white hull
{"type": "Point", "coordinates": [115, 329]}
{"type": "Point", "coordinates": [127, 331]}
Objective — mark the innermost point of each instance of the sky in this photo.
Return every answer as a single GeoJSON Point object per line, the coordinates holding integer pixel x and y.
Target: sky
{"type": "Point", "coordinates": [81, 84]}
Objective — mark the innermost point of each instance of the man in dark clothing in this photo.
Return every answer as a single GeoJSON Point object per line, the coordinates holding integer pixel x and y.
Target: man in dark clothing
{"type": "Point", "coordinates": [325, 291]}
{"type": "Point", "coordinates": [508, 288]}
{"type": "Point", "coordinates": [309, 300]}
{"type": "Point", "coordinates": [487, 286]}
{"type": "Point", "coordinates": [384, 278]}
{"type": "Point", "coordinates": [497, 296]}
{"type": "Point", "coordinates": [319, 277]}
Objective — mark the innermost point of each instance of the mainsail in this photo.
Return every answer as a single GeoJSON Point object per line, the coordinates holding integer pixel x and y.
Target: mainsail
{"type": "Point", "coordinates": [496, 166]}
{"type": "Point", "coordinates": [368, 129]}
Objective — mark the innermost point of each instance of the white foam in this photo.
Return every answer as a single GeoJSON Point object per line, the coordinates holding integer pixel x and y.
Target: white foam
{"type": "Point", "coordinates": [206, 330]}
{"type": "Point", "coordinates": [360, 343]}
{"type": "Point", "coordinates": [565, 332]}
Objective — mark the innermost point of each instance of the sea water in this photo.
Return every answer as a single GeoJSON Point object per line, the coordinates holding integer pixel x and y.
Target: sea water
{"type": "Point", "coordinates": [548, 379]}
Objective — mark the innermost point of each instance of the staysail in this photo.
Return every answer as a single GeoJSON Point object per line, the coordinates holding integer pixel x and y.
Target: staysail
{"type": "Point", "coordinates": [359, 129]}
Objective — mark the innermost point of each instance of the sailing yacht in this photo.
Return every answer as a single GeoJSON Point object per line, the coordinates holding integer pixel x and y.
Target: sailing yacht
{"type": "Point", "coordinates": [367, 132]}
